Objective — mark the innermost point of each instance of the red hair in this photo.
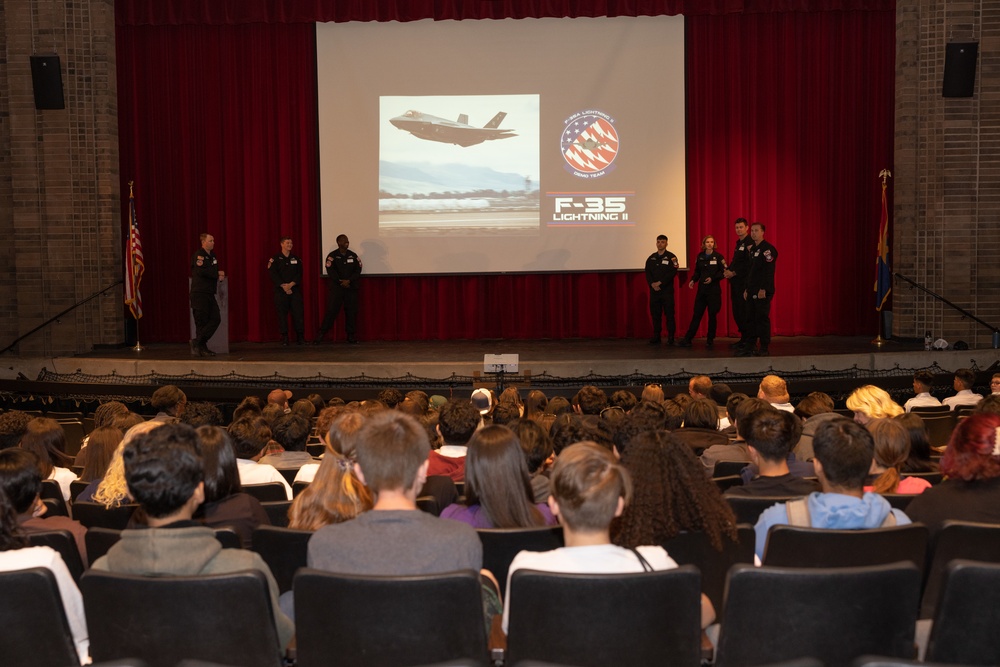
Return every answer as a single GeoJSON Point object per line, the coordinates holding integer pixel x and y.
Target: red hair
{"type": "Point", "coordinates": [974, 449]}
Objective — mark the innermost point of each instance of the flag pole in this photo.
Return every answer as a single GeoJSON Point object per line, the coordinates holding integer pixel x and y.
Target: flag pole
{"type": "Point", "coordinates": [131, 262]}
{"type": "Point", "coordinates": [885, 174]}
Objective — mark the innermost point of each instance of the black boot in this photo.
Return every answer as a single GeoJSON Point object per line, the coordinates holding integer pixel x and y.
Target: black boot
{"type": "Point", "coordinates": [284, 340]}
{"type": "Point", "coordinates": [300, 338]}
{"type": "Point", "coordinates": [205, 352]}
{"type": "Point", "coordinates": [195, 348]}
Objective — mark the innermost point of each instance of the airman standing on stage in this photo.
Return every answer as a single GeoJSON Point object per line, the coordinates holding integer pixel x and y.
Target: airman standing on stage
{"type": "Point", "coordinates": [285, 270]}
{"type": "Point", "coordinates": [661, 269]}
{"type": "Point", "coordinates": [758, 294]}
{"type": "Point", "coordinates": [736, 274]}
{"type": "Point", "coordinates": [343, 267]}
{"type": "Point", "coordinates": [205, 278]}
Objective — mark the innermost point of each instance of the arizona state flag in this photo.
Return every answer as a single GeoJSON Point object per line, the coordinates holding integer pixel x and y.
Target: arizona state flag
{"type": "Point", "coordinates": [883, 276]}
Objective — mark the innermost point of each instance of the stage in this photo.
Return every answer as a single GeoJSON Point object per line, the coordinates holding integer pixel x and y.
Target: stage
{"type": "Point", "coordinates": [833, 364]}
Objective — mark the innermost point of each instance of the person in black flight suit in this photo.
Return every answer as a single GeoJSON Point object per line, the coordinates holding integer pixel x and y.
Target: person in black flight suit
{"type": "Point", "coordinates": [285, 270]}
{"type": "Point", "coordinates": [661, 269]}
{"type": "Point", "coordinates": [205, 278]}
{"type": "Point", "coordinates": [343, 267]}
{"type": "Point", "coordinates": [736, 274]}
{"type": "Point", "coordinates": [708, 274]}
{"type": "Point", "coordinates": [759, 292]}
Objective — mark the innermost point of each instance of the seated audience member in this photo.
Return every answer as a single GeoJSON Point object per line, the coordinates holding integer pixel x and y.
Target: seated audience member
{"type": "Point", "coordinates": [111, 490]}
{"type": "Point", "coordinates": [671, 494]}
{"type": "Point", "coordinates": [340, 438]}
{"type": "Point", "coordinates": [169, 402]}
{"type": "Point", "coordinates": [423, 400]}
{"type": "Point", "coordinates": [964, 380]}
{"type": "Point", "coordinates": [334, 495]}
{"type": "Point", "coordinates": [225, 504]}
{"type": "Point", "coordinates": [559, 405]}
{"type": "Point", "coordinates": [892, 449]}
{"type": "Point", "coordinates": [485, 402]}
{"type": "Point", "coordinates": [653, 393]}
{"type": "Point", "coordinates": [511, 395]}
{"type": "Point", "coordinates": [319, 404]}
{"type": "Point", "coordinates": [498, 491]}
{"type": "Point", "coordinates": [590, 400]}
{"type": "Point", "coordinates": [700, 430]}
{"type": "Point", "coordinates": [458, 419]}
{"type": "Point", "coordinates": [719, 394]}
{"type": "Point", "coordinates": [104, 440]}
{"type": "Point", "coordinates": [769, 435]}
{"type": "Point", "coordinates": [589, 489]}
{"type": "Point", "coordinates": [250, 406]}
{"type": "Point", "coordinates": [623, 399]}
{"type": "Point", "coordinates": [46, 439]}
{"type": "Point", "coordinates": [735, 398]}
{"type": "Point", "coordinates": [505, 414]}
{"type": "Point", "coordinates": [699, 386]}
{"type": "Point", "coordinates": [922, 383]}
{"type": "Point", "coordinates": [201, 413]}
{"type": "Point", "coordinates": [305, 408]}
{"type": "Point", "coordinates": [681, 400]}
{"type": "Point", "coordinates": [165, 475]}
{"type": "Point", "coordinates": [21, 481]}
{"type": "Point", "coordinates": [536, 443]}
{"type": "Point", "coordinates": [844, 452]}
{"type": "Point", "coordinates": [611, 418]}
{"type": "Point", "coordinates": [645, 416]}
{"type": "Point", "coordinates": [270, 413]}
{"type": "Point", "coordinates": [291, 431]}
{"type": "Point", "coordinates": [106, 414]}
{"type": "Point", "coordinates": [569, 429]}
{"type": "Point", "coordinates": [392, 451]}
{"type": "Point", "coordinates": [17, 554]}
{"type": "Point", "coordinates": [736, 450]}
{"type": "Point", "coordinates": [919, 459]}
{"type": "Point", "coordinates": [391, 397]}
{"type": "Point", "coordinates": [250, 436]}
{"type": "Point", "coordinates": [971, 489]}
{"type": "Point", "coordinates": [813, 410]}
{"type": "Point", "coordinates": [774, 390]}
{"type": "Point", "coordinates": [870, 402]}
{"type": "Point", "coordinates": [536, 404]}
{"type": "Point", "coordinates": [13, 425]}
{"type": "Point", "coordinates": [673, 413]}
{"type": "Point", "coordinates": [989, 405]}
{"type": "Point", "coordinates": [995, 384]}
{"type": "Point", "coordinates": [280, 398]}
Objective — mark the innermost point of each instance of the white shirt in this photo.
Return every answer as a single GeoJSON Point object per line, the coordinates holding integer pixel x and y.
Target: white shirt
{"type": "Point", "coordinates": [22, 559]}
{"type": "Point", "coordinates": [453, 451]}
{"type": "Point", "coordinates": [307, 473]}
{"type": "Point", "coordinates": [787, 407]}
{"type": "Point", "coordinates": [252, 472]}
{"type": "Point", "coordinates": [964, 397]}
{"type": "Point", "coordinates": [597, 559]}
{"type": "Point", "coordinates": [63, 477]}
{"type": "Point", "coordinates": [921, 400]}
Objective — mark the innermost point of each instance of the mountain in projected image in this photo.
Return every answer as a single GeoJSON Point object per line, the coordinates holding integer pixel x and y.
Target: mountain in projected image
{"type": "Point", "coordinates": [421, 178]}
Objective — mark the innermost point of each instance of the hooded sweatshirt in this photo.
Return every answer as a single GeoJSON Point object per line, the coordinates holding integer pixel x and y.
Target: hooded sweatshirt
{"type": "Point", "coordinates": [831, 510]}
{"type": "Point", "coordinates": [188, 551]}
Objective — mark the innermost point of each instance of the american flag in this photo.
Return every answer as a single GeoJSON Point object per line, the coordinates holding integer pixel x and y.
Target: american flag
{"type": "Point", "coordinates": [134, 266]}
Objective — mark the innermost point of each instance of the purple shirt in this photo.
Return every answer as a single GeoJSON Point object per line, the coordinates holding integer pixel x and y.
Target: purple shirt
{"type": "Point", "coordinates": [476, 517]}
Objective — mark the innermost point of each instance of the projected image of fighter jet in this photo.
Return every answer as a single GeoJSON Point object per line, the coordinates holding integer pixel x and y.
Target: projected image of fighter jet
{"type": "Point", "coordinates": [460, 133]}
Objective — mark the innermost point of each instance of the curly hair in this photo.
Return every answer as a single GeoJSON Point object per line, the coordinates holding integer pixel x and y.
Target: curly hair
{"type": "Point", "coordinates": [334, 496]}
{"type": "Point", "coordinates": [672, 494]}
{"type": "Point", "coordinates": [106, 413]}
{"type": "Point", "coordinates": [11, 536]}
{"type": "Point", "coordinates": [973, 452]}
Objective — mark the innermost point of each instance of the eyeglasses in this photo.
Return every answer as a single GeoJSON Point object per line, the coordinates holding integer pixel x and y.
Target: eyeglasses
{"type": "Point", "coordinates": [654, 384]}
{"type": "Point", "coordinates": [612, 408]}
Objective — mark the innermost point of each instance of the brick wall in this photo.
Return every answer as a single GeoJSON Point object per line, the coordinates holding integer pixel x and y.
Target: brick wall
{"type": "Point", "coordinates": [947, 173]}
{"type": "Point", "coordinates": [59, 194]}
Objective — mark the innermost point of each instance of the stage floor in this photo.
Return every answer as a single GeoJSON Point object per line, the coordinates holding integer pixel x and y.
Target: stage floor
{"type": "Point", "coordinates": [573, 358]}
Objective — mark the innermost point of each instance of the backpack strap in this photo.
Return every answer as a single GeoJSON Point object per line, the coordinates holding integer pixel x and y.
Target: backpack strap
{"type": "Point", "coordinates": [646, 567]}
{"type": "Point", "coordinates": [798, 512]}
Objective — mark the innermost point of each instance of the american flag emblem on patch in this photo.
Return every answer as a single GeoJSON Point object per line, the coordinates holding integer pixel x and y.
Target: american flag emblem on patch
{"type": "Point", "coordinates": [589, 144]}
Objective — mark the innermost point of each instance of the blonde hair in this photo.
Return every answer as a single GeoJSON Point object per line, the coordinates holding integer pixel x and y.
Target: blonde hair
{"type": "Point", "coordinates": [774, 389]}
{"type": "Point", "coordinates": [873, 402]}
{"type": "Point", "coordinates": [113, 489]}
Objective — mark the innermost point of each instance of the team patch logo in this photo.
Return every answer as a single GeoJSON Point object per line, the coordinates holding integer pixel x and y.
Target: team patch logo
{"type": "Point", "coordinates": [589, 144]}
{"type": "Point", "coordinates": [767, 256]}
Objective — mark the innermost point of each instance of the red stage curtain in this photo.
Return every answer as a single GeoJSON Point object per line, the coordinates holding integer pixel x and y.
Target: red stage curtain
{"type": "Point", "coordinates": [790, 117]}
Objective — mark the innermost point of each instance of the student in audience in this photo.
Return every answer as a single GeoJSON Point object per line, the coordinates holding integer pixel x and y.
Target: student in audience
{"type": "Point", "coordinates": [769, 436]}
{"type": "Point", "coordinates": [919, 459]}
{"type": "Point", "coordinates": [671, 494]}
{"type": "Point", "coordinates": [699, 386]}
{"type": "Point", "coordinates": [645, 416]}
{"type": "Point", "coordinates": [813, 410]}
{"type": "Point", "coordinates": [623, 399]}
{"type": "Point", "coordinates": [498, 491]}
{"type": "Point", "coordinates": [589, 489]}
{"type": "Point", "coordinates": [17, 554]}
{"type": "Point", "coordinates": [505, 414]}
{"type": "Point", "coordinates": [104, 440]}
{"type": "Point", "coordinates": [165, 475]}
{"type": "Point", "coordinates": [536, 404]}
{"type": "Point", "coordinates": [112, 414]}
{"type": "Point", "coordinates": [737, 449]}
{"type": "Point", "coordinates": [13, 424]}
{"type": "Point", "coordinates": [169, 401]}
{"type": "Point", "coordinates": [392, 451]}
{"type": "Point", "coordinates": [248, 407]}
{"type": "Point", "coordinates": [458, 419]}
{"type": "Point", "coordinates": [250, 436]}
{"type": "Point", "coordinates": [304, 408]}
{"type": "Point", "coordinates": [870, 402]}
{"type": "Point", "coordinates": [701, 425]}
{"type": "Point", "coordinates": [590, 400]}
{"type": "Point", "coordinates": [291, 431]}
{"type": "Point", "coordinates": [652, 392]}
{"type": "Point", "coordinates": [536, 443]}
{"type": "Point", "coordinates": [844, 452]}
{"type": "Point", "coordinates": [964, 380]}
{"type": "Point", "coordinates": [989, 405]}
{"type": "Point", "coordinates": [892, 449]}
{"type": "Point", "coordinates": [340, 439]}
{"type": "Point", "coordinates": [971, 490]}
{"type": "Point", "coordinates": [511, 395]}
{"type": "Point", "coordinates": [21, 481]}
{"type": "Point", "coordinates": [333, 496]}
{"type": "Point", "coordinates": [559, 405]}
{"type": "Point", "coordinates": [225, 504]}
{"type": "Point", "coordinates": [46, 439]}
{"type": "Point", "coordinates": [922, 383]}
{"type": "Point", "coordinates": [201, 413]}
{"type": "Point", "coordinates": [112, 491]}
{"type": "Point", "coordinates": [774, 390]}
{"type": "Point", "coordinates": [570, 428]}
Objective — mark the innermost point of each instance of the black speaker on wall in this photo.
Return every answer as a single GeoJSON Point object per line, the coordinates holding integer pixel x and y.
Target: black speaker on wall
{"type": "Point", "coordinates": [46, 79]}
{"type": "Point", "coordinates": [960, 69]}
